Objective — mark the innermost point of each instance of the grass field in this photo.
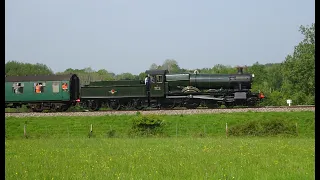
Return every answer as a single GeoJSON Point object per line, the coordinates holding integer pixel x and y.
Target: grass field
{"type": "Point", "coordinates": [59, 148]}
{"type": "Point", "coordinates": [198, 125]}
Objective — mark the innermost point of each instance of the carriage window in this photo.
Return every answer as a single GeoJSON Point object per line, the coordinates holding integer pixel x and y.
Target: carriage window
{"type": "Point", "coordinates": [39, 87]}
{"type": "Point", "coordinates": [55, 87]}
{"type": "Point", "coordinates": [64, 86]}
{"type": "Point", "coordinates": [17, 88]}
{"type": "Point", "coordinates": [159, 78]}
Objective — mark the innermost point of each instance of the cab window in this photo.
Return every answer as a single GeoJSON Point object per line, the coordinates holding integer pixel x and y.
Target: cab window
{"type": "Point", "coordinates": [159, 78]}
{"type": "Point", "coordinates": [17, 88]}
{"type": "Point", "coordinates": [39, 87]}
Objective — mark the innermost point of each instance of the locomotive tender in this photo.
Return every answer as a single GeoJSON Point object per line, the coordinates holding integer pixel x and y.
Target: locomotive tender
{"type": "Point", "coordinates": [165, 91]}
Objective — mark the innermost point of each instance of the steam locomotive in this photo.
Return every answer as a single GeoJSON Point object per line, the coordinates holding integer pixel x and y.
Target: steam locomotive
{"type": "Point", "coordinates": [173, 90]}
{"type": "Point", "coordinates": [165, 91]}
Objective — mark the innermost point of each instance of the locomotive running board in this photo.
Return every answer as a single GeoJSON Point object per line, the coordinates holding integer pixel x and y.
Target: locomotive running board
{"type": "Point", "coordinates": [196, 97]}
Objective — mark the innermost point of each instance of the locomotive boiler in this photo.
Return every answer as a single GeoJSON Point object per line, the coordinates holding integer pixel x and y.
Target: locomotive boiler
{"type": "Point", "coordinates": [238, 82]}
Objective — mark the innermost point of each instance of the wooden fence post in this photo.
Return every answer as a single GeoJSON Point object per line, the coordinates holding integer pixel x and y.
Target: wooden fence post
{"type": "Point", "coordinates": [177, 129]}
{"type": "Point", "coordinates": [68, 131]}
{"type": "Point", "coordinates": [226, 130]}
{"type": "Point", "coordinates": [25, 130]}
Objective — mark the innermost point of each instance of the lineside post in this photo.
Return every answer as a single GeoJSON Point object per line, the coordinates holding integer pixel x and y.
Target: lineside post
{"type": "Point", "coordinates": [226, 130]}
{"type": "Point", "coordinates": [90, 133]}
{"type": "Point", "coordinates": [177, 129]}
{"type": "Point", "coordinates": [25, 130]}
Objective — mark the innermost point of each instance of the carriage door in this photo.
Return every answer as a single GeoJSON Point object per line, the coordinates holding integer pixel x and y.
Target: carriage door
{"type": "Point", "coordinates": [157, 86]}
{"type": "Point", "coordinates": [65, 90]}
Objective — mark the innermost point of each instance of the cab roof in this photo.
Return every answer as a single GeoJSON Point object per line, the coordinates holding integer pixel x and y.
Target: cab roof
{"type": "Point", "coordinates": [157, 72]}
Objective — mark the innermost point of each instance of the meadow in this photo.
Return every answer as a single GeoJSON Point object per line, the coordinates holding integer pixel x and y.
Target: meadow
{"type": "Point", "coordinates": [190, 147]}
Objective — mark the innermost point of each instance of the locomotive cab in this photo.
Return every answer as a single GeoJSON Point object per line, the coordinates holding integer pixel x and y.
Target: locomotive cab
{"type": "Point", "coordinates": [157, 85]}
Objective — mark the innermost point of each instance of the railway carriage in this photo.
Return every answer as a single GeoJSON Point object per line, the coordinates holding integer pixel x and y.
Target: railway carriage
{"type": "Point", "coordinates": [57, 92]}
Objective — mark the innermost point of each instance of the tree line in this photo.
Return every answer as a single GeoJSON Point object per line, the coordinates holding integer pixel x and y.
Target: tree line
{"type": "Point", "coordinates": [294, 78]}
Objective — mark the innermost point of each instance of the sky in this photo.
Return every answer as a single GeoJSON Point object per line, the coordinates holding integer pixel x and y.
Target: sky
{"type": "Point", "coordinates": [129, 35]}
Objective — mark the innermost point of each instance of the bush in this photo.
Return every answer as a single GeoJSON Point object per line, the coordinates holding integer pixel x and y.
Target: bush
{"type": "Point", "coordinates": [264, 128]}
{"type": "Point", "coordinates": [147, 125]}
{"type": "Point", "coordinates": [111, 133]}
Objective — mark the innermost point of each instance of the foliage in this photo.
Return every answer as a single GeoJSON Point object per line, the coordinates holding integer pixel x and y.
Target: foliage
{"type": "Point", "coordinates": [126, 76]}
{"type": "Point", "coordinates": [88, 75]}
{"type": "Point", "coordinates": [14, 68]}
{"type": "Point", "coordinates": [264, 128]}
{"type": "Point", "coordinates": [292, 79]}
{"type": "Point", "coordinates": [299, 68]}
{"type": "Point", "coordinates": [147, 125]}
{"type": "Point", "coordinates": [169, 64]}
{"type": "Point", "coordinates": [111, 133]}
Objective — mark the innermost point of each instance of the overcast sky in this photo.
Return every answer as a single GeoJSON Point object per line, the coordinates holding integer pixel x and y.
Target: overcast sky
{"type": "Point", "coordinates": [129, 35]}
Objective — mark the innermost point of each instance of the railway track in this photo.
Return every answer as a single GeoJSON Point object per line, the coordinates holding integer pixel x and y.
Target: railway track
{"type": "Point", "coordinates": [168, 112]}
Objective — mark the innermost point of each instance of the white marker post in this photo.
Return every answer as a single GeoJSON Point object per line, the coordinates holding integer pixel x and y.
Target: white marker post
{"type": "Point", "coordinates": [90, 133]}
{"type": "Point", "coordinates": [289, 101]}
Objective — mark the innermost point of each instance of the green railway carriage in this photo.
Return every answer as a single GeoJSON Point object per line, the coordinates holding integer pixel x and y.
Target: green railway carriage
{"type": "Point", "coordinates": [41, 92]}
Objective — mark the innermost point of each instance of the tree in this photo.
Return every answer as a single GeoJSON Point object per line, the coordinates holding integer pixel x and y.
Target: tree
{"type": "Point", "coordinates": [153, 66]}
{"type": "Point", "coordinates": [88, 75]}
{"type": "Point", "coordinates": [126, 76]}
{"type": "Point", "coordinates": [171, 65]}
{"type": "Point", "coordinates": [142, 75]}
{"type": "Point", "coordinates": [274, 76]}
{"type": "Point", "coordinates": [222, 69]}
{"type": "Point", "coordinates": [299, 68]}
{"type": "Point", "coordinates": [259, 80]}
{"type": "Point", "coordinates": [14, 68]}
{"type": "Point", "coordinates": [105, 75]}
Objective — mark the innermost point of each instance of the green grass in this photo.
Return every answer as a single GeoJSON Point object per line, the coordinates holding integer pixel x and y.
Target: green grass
{"type": "Point", "coordinates": [161, 158]}
{"type": "Point", "coordinates": [199, 125]}
{"type": "Point", "coordinates": [192, 147]}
